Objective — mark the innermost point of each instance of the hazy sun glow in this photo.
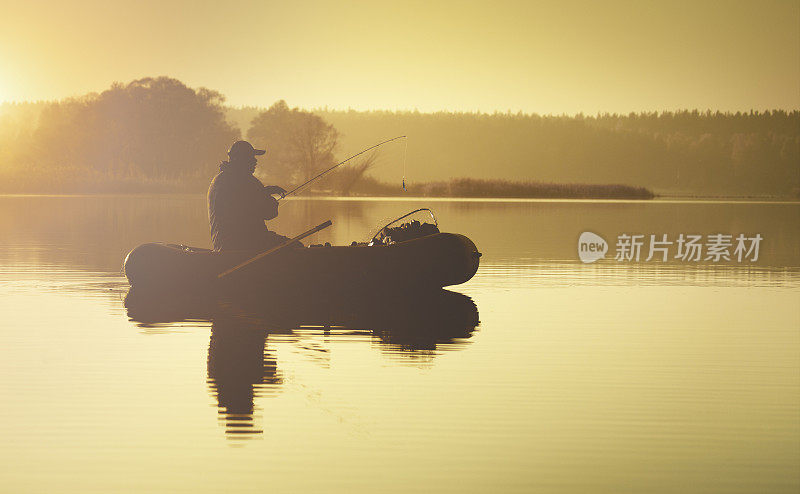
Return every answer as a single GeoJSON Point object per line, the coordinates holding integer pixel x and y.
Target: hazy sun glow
{"type": "Point", "coordinates": [546, 57]}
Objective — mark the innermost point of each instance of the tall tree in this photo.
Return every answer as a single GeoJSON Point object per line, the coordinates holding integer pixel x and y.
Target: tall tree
{"type": "Point", "coordinates": [155, 127]}
{"type": "Point", "coordinates": [299, 143]}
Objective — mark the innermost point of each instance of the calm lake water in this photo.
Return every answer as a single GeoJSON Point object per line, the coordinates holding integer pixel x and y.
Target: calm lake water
{"type": "Point", "coordinates": [541, 374]}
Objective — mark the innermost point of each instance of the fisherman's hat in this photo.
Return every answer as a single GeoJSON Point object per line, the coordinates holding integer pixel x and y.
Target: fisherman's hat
{"type": "Point", "coordinates": [243, 149]}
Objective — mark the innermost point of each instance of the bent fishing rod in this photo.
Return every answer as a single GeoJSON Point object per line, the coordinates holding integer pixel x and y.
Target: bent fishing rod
{"type": "Point", "coordinates": [341, 163]}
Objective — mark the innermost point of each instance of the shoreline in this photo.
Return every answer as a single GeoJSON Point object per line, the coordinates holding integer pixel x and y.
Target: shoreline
{"type": "Point", "coordinates": [326, 197]}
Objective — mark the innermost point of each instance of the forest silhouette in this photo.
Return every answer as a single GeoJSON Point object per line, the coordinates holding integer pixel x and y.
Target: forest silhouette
{"type": "Point", "coordinates": [159, 135]}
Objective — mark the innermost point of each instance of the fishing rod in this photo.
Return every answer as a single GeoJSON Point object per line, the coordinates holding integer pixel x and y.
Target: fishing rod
{"type": "Point", "coordinates": [342, 163]}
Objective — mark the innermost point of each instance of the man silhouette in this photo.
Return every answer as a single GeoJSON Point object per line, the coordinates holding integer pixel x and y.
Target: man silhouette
{"type": "Point", "coordinates": [238, 203]}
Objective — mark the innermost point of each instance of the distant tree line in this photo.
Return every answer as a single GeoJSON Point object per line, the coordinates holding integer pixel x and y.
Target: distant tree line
{"type": "Point", "coordinates": [151, 129]}
{"type": "Point", "coordinates": [152, 134]}
{"type": "Point", "coordinates": [684, 152]}
{"type": "Point", "coordinates": [688, 152]}
{"type": "Point", "coordinates": [159, 134]}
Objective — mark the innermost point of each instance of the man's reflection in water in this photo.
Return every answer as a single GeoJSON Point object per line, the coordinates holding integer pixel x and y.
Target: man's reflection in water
{"type": "Point", "coordinates": [240, 369]}
{"type": "Point", "coordinates": [239, 366]}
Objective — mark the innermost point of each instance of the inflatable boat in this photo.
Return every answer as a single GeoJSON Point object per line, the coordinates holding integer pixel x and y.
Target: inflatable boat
{"type": "Point", "coordinates": [413, 255]}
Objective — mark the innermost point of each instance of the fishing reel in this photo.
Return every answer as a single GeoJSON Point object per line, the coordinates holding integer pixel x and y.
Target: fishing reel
{"type": "Point", "coordinates": [405, 231]}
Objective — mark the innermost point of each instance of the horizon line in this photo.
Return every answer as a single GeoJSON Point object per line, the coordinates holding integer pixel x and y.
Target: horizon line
{"type": "Point", "coordinates": [330, 109]}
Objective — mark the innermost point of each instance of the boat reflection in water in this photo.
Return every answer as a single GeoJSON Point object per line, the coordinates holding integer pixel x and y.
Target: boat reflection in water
{"type": "Point", "coordinates": [240, 365]}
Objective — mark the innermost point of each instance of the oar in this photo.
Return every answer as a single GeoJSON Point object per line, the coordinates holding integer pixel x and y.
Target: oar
{"type": "Point", "coordinates": [303, 235]}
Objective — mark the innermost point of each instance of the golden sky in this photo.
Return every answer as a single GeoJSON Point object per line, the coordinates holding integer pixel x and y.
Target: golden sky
{"type": "Point", "coordinates": [545, 57]}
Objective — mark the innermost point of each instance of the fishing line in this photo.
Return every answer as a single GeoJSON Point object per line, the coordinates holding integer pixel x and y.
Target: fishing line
{"type": "Point", "coordinates": [405, 154]}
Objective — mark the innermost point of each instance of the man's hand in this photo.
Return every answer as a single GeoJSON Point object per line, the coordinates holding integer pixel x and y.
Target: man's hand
{"type": "Point", "coordinates": [274, 189]}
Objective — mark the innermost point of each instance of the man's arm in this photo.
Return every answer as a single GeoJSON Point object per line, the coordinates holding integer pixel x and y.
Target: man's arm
{"type": "Point", "coordinates": [271, 204]}
{"type": "Point", "coordinates": [270, 208]}
{"type": "Point", "coordinates": [262, 204]}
